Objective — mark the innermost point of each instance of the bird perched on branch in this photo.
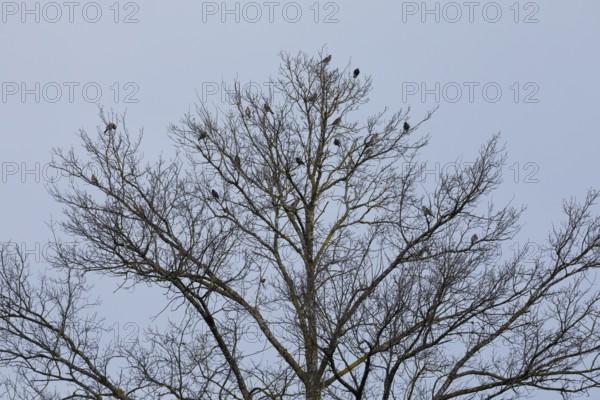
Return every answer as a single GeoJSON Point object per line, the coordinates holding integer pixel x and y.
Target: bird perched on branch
{"type": "Point", "coordinates": [267, 109]}
{"type": "Point", "coordinates": [337, 142]}
{"type": "Point", "coordinates": [111, 126]}
{"type": "Point", "coordinates": [215, 194]}
{"type": "Point", "coordinates": [423, 252]}
{"type": "Point", "coordinates": [263, 280]}
{"type": "Point", "coordinates": [294, 205]}
{"type": "Point", "coordinates": [312, 98]}
{"type": "Point", "coordinates": [326, 60]}
{"type": "Point", "coordinates": [94, 180]}
{"type": "Point", "coordinates": [371, 139]}
{"type": "Point", "coordinates": [237, 163]}
{"type": "Point", "coordinates": [248, 112]}
{"type": "Point", "coordinates": [299, 161]}
{"type": "Point", "coordinates": [356, 73]}
{"type": "Point", "coordinates": [202, 134]}
{"type": "Point", "coordinates": [139, 209]}
{"type": "Point", "coordinates": [406, 127]}
{"type": "Point", "coordinates": [336, 121]}
{"type": "Point", "coordinates": [474, 238]}
{"type": "Point", "coordinates": [427, 211]}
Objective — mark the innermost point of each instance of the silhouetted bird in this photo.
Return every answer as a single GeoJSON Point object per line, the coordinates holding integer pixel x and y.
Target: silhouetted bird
{"type": "Point", "coordinates": [237, 163]}
{"type": "Point", "coordinates": [248, 112]}
{"type": "Point", "coordinates": [267, 109]}
{"type": "Point", "coordinates": [406, 127]}
{"type": "Point", "coordinates": [263, 280]}
{"type": "Point", "coordinates": [337, 142]}
{"type": "Point", "coordinates": [94, 180]}
{"type": "Point", "coordinates": [326, 60]}
{"type": "Point", "coordinates": [427, 211]}
{"type": "Point", "coordinates": [474, 238]}
{"type": "Point", "coordinates": [110, 126]}
{"type": "Point", "coordinates": [215, 194]}
{"type": "Point", "coordinates": [356, 73]}
{"type": "Point", "coordinates": [139, 210]}
{"type": "Point", "coordinates": [202, 135]}
{"type": "Point", "coordinates": [312, 98]}
{"type": "Point", "coordinates": [299, 161]}
{"type": "Point", "coordinates": [336, 121]}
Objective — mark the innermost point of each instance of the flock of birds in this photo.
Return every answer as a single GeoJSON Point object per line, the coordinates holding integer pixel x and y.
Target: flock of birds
{"type": "Point", "coordinates": [369, 141]}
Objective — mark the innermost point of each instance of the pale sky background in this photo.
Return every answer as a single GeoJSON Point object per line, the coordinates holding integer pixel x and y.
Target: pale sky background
{"type": "Point", "coordinates": [542, 55]}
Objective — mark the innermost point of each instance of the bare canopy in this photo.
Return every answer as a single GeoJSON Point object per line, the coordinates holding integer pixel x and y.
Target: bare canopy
{"type": "Point", "coordinates": [280, 220]}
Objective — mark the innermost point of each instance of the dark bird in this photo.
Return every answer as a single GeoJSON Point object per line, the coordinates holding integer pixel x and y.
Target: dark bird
{"type": "Point", "coordinates": [263, 280]}
{"type": "Point", "coordinates": [337, 142]}
{"type": "Point", "coordinates": [427, 210]}
{"type": "Point", "coordinates": [312, 98]}
{"type": "Point", "coordinates": [267, 109]}
{"type": "Point", "coordinates": [356, 73]}
{"type": "Point", "coordinates": [474, 238]}
{"type": "Point", "coordinates": [237, 163]}
{"type": "Point", "coordinates": [202, 134]}
{"type": "Point", "coordinates": [215, 194]}
{"type": "Point", "coordinates": [406, 127]}
{"type": "Point", "coordinates": [299, 161]}
{"type": "Point", "coordinates": [226, 210]}
{"type": "Point", "coordinates": [336, 121]}
{"type": "Point", "coordinates": [111, 126]}
{"type": "Point", "coordinates": [248, 112]}
{"type": "Point", "coordinates": [326, 60]}
{"type": "Point", "coordinates": [139, 209]}
{"type": "Point", "coordinates": [94, 180]}
{"type": "Point", "coordinates": [134, 265]}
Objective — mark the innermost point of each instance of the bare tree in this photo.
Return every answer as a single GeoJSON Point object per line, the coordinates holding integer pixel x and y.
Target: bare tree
{"type": "Point", "coordinates": [285, 216]}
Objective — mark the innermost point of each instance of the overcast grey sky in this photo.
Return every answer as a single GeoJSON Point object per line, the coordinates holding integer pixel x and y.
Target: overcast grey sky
{"type": "Point", "coordinates": [526, 69]}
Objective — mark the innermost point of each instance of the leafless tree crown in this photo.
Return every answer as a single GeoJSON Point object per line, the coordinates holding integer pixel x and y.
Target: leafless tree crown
{"type": "Point", "coordinates": [307, 261]}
